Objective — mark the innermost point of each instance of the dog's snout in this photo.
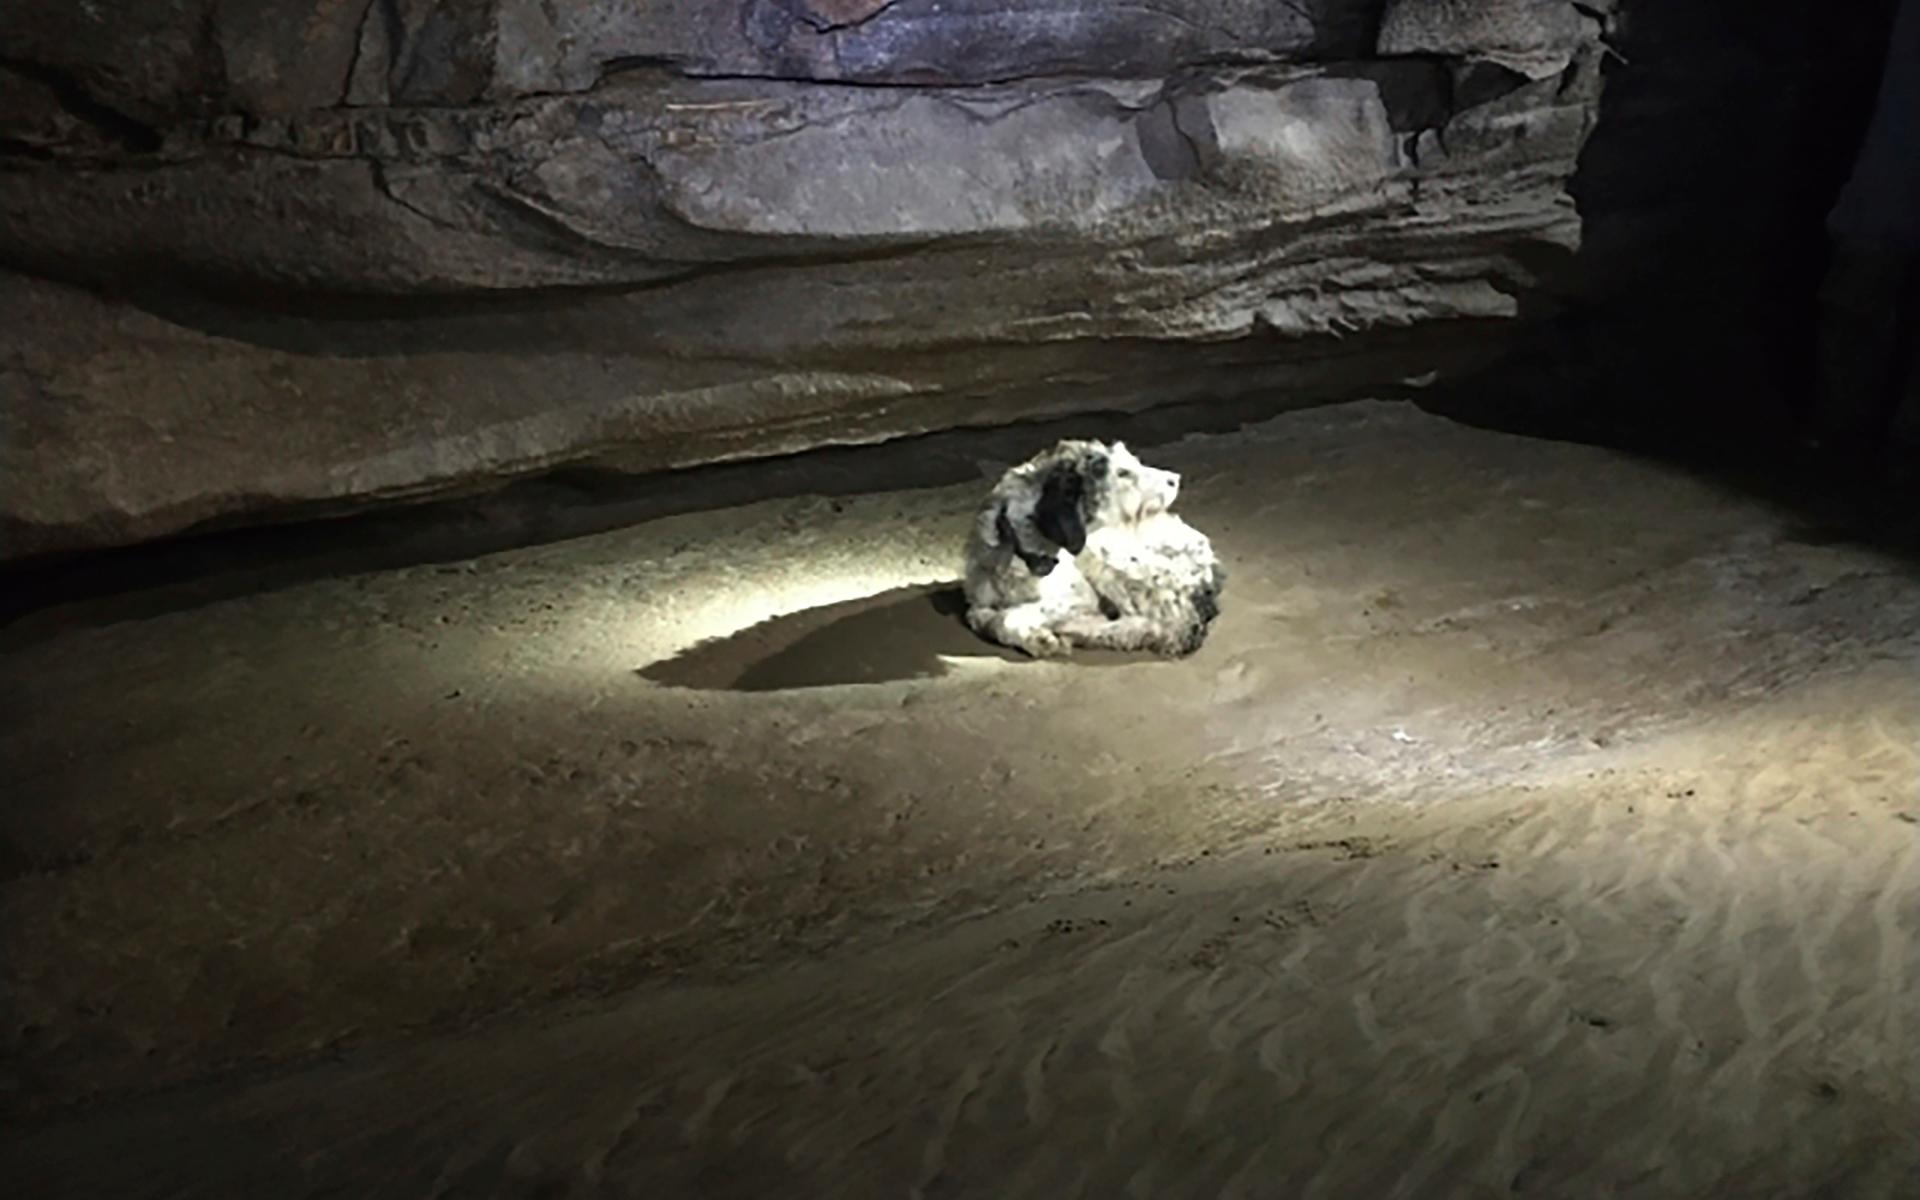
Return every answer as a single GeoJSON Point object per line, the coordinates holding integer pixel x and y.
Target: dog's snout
{"type": "Point", "coordinates": [1169, 488]}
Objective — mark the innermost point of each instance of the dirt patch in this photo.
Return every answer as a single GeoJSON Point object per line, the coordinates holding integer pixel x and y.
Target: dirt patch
{"type": "Point", "coordinates": [1532, 814]}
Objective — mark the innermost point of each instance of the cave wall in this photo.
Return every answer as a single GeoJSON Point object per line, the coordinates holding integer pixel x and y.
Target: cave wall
{"type": "Point", "coordinates": [1690, 326]}
{"type": "Point", "coordinates": [1869, 404]}
{"type": "Point", "coordinates": [266, 259]}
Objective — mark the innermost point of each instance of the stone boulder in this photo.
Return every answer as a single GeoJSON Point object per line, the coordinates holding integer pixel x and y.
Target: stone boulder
{"type": "Point", "coordinates": [269, 260]}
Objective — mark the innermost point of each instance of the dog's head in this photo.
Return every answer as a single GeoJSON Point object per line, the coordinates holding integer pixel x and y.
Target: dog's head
{"type": "Point", "coordinates": [1136, 491]}
{"type": "Point", "coordinates": [1086, 486]}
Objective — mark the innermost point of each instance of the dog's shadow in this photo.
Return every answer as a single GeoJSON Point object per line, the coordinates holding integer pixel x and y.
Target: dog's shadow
{"type": "Point", "coordinates": [901, 634]}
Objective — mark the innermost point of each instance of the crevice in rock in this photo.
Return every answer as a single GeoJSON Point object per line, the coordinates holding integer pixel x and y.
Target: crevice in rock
{"type": "Point", "coordinates": [877, 85]}
{"type": "Point", "coordinates": [1167, 149]}
{"type": "Point", "coordinates": [611, 70]}
{"type": "Point", "coordinates": [1598, 15]}
{"type": "Point", "coordinates": [1417, 91]}
{"type": "Point", "coordinates": [372, 12]}
{"type": "Point", "coordinates": [614, 73]}
{"type": "Point", "coordinates": [1478, 83]}
{"type": "Point", "coordinates": [1193, 121]}
{"type": "Point", "coordinates": [126, 131]}
{"type": "Point", "coordinates": [15, 148]}
{"type": "Point", "coordinates": [826, 16]}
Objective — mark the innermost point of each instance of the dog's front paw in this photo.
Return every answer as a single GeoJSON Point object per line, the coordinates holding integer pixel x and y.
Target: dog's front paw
{"type": "Point", "coordinates": [1181, 643]}
{"type": "Point", "coordinates": [1045, 643]}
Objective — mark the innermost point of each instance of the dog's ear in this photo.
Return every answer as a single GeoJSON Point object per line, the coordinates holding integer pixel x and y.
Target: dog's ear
{"type": "Point", "coordinates": [1058, 512]}
{"type": "Point", "coordinates": [1039, 564]}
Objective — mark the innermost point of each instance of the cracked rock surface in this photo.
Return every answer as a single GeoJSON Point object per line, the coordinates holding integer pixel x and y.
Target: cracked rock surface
{"type": "Point", "coordinates": [279, 258]}
{"type": "Point", "coordinates": [272, 259]}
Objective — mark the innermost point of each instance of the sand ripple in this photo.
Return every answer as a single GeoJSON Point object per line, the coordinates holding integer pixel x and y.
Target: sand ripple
{"type": "Point", "coordinates": [1688, 972]}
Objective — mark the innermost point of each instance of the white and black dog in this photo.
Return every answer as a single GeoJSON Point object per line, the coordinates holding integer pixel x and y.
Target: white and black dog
{"type": "Point", "coordinates": [1077, 547]}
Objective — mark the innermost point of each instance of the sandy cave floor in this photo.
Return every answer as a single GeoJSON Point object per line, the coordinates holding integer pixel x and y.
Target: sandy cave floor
{"type": "Point", "coordinates": [1537, 821]}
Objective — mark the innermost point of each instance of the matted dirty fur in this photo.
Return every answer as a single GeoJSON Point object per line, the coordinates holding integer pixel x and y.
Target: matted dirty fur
{"type": "Point", "coordinates": [1078, 547]}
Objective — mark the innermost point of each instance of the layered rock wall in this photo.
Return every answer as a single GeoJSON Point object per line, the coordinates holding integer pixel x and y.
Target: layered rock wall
{"type": "Point", "coordinates": [271, 258]}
